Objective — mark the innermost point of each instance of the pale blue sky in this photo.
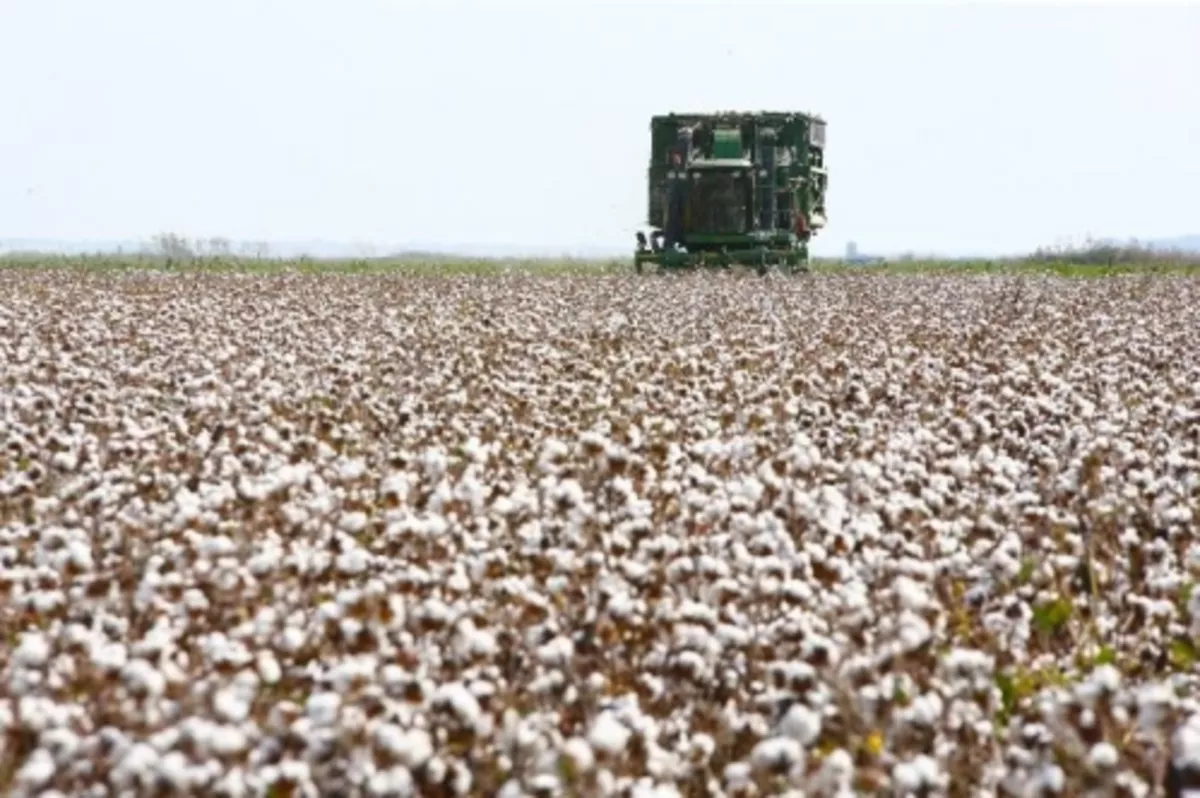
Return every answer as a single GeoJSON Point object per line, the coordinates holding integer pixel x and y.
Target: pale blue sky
{"type": "Point", "coordinates": [951, 129]}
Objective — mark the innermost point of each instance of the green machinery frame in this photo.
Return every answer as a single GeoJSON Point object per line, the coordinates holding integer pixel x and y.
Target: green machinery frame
{"type": "Point", "coordinates": [779, 157]}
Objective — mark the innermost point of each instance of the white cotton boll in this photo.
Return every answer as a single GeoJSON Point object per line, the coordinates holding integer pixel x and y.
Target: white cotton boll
{"type": "Point", "coordinates": [395, 781]}
{"type": "Point", "coordinates": [1051, 778]}
{"type": "Point", "coordinates": [1103, 680]}
{"type": "Point", "coordinates": [195, 601]}
{"type": "Point", "coordinates": [144, 678]}
{"type": "Point", "coordinates": [173, 769]}
{"type": "Point", "coordinates": [79, 554]}
{"type": "Point", "coordinates": [187, 506]}
{"type": "Point", "coordinates": [393, 676]}
{"type": "Point", "coordinates": [167, 739]}
{"type": "Point", "coordinates": [738, 775]}
{"type": "Point", "coordinates": [265, 562]}
{"type": "Point", "coordinates": [912, 595]}
{"type": "Point", "coordinates": [837, 771]}
{"type": "Point", "coordinates": [1185, 744]}
{"type": "Point", "coordinates": [914, 631]}
{"type": "Point", "coordinates": [329, 611]}
{"type": "Point", "coordinates": [350, 469]}
{"type": "Point", "coordinates": [471, 641]}
{"type": "Point", "coordinates": [353, 522]}
{"type": "Point", "coordinates": [38, 769]}
{"type": "Point", "coordinates": [607, 734]}
{"type": "Point", "coordinates": [231, 704]}
{"type": "Point", "coordinates": [925, 710]}
{"type": "Point", "coordinates": [45, 602]}
{"type": "Point", "coordinates": [461, 701]}
{"type": "Point", "coordinates": [268, 668]}
{"type": "Point", "coordinates": [137, 764]}
{"type": "Point", "coordinates": [961, 467]}
{"type": "Point", "coordinates": [415, 748]}
{"type": "Point", "coordinates": [969, 662]}
{"type": "Point", "coordinates": [232, 784]}
{"type": "Point", "coordinates": [733, 636]}
{"type": "Point", "coordinates": [1107, 678]}
{"type": "Point", "coordinates": [37, 713]}
{"type": "Point", "coordinates": [915, 775]}
{"type": "Point", "coordinates": [109, 657]}
{"type": "Point", "coordinates": [1154, 702]}
{"type": "Point", "coordinates": [61, 743]}
{"type": "Point", "coordinates": [322, 708]}
{"type": "Point", "coordinates": [360, 668]}
{"type": "Point", "coordinates": [459, 582]}
{"type": "Point", "coordinates": [33, 651]}
{"type": "Point", "coordinates": [545, 784]}
{"type": "Point", "coordinates": [292, 639]}
{"type": "Point", "coordinates": [557, 652]}
{"type": "Point", "coordinates": [228, 741]}
{"type": "Point", "coordinates": [580, 753]}
{"type": "Point", "coordinates": [389, 737]}
{"type": "Point", "coordinates": [801, 724]}
{"type": "Point", "coordinates": [1103, 756]}
{"type": "Point", "coordinates": [354, 561]}
{"type": "Point", "coordinates": [776, 753]}
{"type": "Point", "coordinates": [215, 547]}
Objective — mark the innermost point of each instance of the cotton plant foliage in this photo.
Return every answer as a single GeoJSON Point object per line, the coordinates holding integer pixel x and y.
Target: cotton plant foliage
{"type": "Point", "coordinates": [517, 536]}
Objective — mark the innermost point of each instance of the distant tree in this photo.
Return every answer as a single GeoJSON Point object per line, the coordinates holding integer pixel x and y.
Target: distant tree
{"type": "Point", "coordinates": [219, 246]}
{"type": "Point", "coordinates": [173, 246]}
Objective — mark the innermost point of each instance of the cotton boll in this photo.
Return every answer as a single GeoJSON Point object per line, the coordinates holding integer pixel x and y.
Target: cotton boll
{"type": "Point", "coordinates": [37, 770]}
{"type": "Point", "coordinates": [556, 653]}
{"type": "Point", "coordinates": [1154, 701]}
{"type": "Point", "coordinates": [912, 595]}
{"type": "Point", "coordinates": [144, 678]}
{"type": "Point", "coordinates": [580, 753]}
{"type": "Point", "coordinates": [269, 669]}
{"type": "Point", "coordinates": [1185, 745]}
{"type": "Point", "coordinates": [32, 652]}
{"type": "Point", "coordinates": [459, 700]}
{"type": "Point", "coordinates": [801, 724]}
{"type": "Point", "coordinates": [1103, 756]}
{"type": "Point", "coordinates": [917, 774]}
{"type": "Point", "coordinates": [228, 741]}
{"type": "Point", "coordinates": [322, 708]}
{"type": "Point", "coordinates": [608, 735]}
{"type": "Point", "coordinates": [777, 754]}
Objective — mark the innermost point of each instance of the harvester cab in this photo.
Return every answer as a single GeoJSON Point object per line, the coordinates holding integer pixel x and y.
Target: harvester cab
{"type": "Point", "coordinates": [733, 189]}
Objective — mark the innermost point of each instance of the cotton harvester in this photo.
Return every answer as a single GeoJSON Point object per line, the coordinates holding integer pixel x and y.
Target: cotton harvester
{"type": "Point", "coordinates": [734, 189]}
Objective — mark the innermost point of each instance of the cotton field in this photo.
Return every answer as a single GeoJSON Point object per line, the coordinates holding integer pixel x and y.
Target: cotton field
{"type": "Point", "coordinates": [518, 536]}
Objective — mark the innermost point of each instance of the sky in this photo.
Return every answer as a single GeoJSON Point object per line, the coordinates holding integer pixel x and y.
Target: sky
{"type": "Point", "coordinates": [952, 129]}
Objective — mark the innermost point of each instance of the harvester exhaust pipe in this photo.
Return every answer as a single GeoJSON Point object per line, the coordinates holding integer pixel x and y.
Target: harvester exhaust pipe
{"type": "Point", "coordinates": [767, 177]}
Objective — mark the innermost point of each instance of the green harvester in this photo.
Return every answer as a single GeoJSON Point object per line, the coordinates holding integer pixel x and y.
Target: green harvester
{"type": "Point", "coordinates": [734, 188]}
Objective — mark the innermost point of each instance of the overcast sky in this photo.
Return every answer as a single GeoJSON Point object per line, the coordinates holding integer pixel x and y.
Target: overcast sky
{"type": "Point", "coordinates": [951, 129]}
